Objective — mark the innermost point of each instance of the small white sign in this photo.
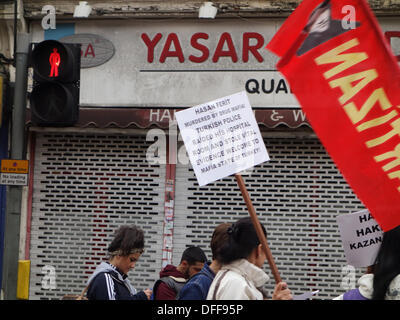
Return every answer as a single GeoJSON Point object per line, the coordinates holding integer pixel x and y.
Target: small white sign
{"type": "Point", "coordinates": [221, 137]}
{"type": "Point", "coordinates": [14, 179]}
{"type": "Point", "coordinates": [361, 237]}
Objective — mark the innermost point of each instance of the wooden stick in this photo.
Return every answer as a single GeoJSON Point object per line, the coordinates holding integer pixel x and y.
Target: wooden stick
{"type": "Point", "coordinates": [257, 226]}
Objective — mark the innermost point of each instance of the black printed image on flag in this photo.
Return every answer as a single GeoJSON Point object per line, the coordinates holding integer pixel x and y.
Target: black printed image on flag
{"type": "Point", "coordinates": [321, 27]}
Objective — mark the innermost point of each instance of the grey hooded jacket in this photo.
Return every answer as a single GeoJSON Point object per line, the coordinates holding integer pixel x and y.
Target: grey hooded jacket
{"type": "Point", "coordinates": [108, 283]}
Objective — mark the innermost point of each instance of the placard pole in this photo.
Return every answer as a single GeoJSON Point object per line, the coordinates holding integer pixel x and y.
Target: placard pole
{"type": "Point", "coordinates": [258, 228]}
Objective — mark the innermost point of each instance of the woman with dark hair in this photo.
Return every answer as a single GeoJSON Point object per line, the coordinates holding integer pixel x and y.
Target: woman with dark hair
{"type": "Point", "coordinates": [241, 276]}
{"type": "Point", "coordinates": [197, 286]}
{"type": "Point", "coordinates": [109, 281]}
{"type": "Point", "coordinates": [382, 280]}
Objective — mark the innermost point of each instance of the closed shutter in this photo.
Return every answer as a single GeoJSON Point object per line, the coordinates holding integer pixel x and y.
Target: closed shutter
{"type": "Point", "coordinates": [297, 196]}
{"type": "Point", "coordinates": [85, 187]}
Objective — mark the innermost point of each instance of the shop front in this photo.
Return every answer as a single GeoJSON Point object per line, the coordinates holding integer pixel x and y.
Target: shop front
{"type": "Point", "coordinates": [124, 161]}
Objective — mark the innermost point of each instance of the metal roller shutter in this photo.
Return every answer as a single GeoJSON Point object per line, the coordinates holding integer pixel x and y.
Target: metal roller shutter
{"type": "Point", "coordinates": [86, 186]}
{"type": "Point", "coordinates": [297, 196]}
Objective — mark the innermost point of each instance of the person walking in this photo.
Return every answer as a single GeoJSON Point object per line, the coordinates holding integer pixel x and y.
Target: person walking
{"type": "Point", "coordinates": [196, 288]}
{"type": "Point", "coordinates": [172, 278]}
{"type": "Point", "coordinates": [110, 281]}
{"type": "Point", "coordinates": [241, 276]}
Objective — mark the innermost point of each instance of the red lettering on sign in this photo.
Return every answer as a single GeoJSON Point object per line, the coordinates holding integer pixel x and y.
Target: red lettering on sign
{"type": "Point", "coordinates": [220, 52]}
{"type": "Point", "coordinates": [89, 50]}
{"type": "Point", "coordinates": [194, 43]}
{"type": "Point", "coordinates": [150, 45]}
{"type": "Point", "coordinates": [252, 43]}
{"type": "Point", "coordinates": [167, 52]}
{"type": "Point", "coordinates": [252, 48]}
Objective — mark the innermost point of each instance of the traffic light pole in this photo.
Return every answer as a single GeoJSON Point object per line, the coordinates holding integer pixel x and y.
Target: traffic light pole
{"type": "Point", "coordinates": [14, 194]}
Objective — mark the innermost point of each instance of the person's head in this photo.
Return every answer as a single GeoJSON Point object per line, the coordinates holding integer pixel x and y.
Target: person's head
{"type": "Point", "coordinates": [243, 243]}
{"type": "Point", "coordinates": [126, 247]}
{"type": "Point", "coordinates": [387, 263]}
{"type": "Point", "coordinates": [218, 239]}
{"type": "Point", "coordinates": [192, 261]}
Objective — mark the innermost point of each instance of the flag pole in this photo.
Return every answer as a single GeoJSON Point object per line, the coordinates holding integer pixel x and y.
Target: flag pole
{"type": "Point", "coordinates": [257, 226]}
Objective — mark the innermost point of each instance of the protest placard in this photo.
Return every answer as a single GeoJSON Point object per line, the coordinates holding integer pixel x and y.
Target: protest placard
{"type": "Point", "coordinates": [361, 237]}
{"type": "Point", "coordinates": [221, 137]}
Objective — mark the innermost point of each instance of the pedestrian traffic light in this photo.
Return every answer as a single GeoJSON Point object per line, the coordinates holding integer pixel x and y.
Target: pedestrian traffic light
{"type": "Point", "coordinates": [54, 100]}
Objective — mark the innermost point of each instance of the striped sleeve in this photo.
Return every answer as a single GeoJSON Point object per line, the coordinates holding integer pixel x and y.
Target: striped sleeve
{"type": "Point", "coordinates": [102, 288]}
{"type": "Point", "coordinates": [110, 287]}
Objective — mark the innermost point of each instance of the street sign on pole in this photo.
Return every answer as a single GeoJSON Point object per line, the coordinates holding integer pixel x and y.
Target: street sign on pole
{"type": "Point", "coordinates": [17, 151]}
{"type": "Point", "coordinates": [14, 172]}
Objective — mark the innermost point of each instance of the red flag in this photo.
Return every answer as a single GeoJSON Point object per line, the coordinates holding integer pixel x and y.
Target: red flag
{"type": "Point", "coordinates": [347, 81]}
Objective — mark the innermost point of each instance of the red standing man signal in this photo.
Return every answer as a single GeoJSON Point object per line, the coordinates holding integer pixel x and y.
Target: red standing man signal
{"type": "Point", "coordinates": [54, 62]}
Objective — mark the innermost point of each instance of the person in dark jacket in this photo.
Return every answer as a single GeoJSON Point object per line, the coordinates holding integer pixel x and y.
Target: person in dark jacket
{"type": "Point", "coordinates": [110, 281]}
{"type": "Point", "coordinates": [172, 278]}
{"type": "Point", "coordinates": [196, 288]}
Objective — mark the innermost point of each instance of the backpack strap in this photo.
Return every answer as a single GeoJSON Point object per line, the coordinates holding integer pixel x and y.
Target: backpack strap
{"type": "Point", "coordinates": [214, 297]}
{"type": "Point", "coordinates": [174, 283]}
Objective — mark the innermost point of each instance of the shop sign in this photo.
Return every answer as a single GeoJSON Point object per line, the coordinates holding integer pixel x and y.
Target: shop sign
{"type": "Point", "coordinates": [95, 49]}
{"type": "Point", "coordinates": [181, 63]}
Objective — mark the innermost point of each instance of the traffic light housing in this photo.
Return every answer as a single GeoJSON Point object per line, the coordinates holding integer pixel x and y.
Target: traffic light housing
{"type": "Point", "coordinates": [54, 100]}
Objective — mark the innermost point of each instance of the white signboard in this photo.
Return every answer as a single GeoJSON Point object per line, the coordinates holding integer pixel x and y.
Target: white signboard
{"type": "Point", "coordinates": [361, 237]}
{"type": "Point", "coordinates": [221, 137]}
{"type": "Point", "coordinates": [15, 179]}
{"type": "Point", "coordinates": [96, 50]}
{"type": "Point", "coordinates": [14, 172]}
{"type": "Point", "coordinates": [161, 62]}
